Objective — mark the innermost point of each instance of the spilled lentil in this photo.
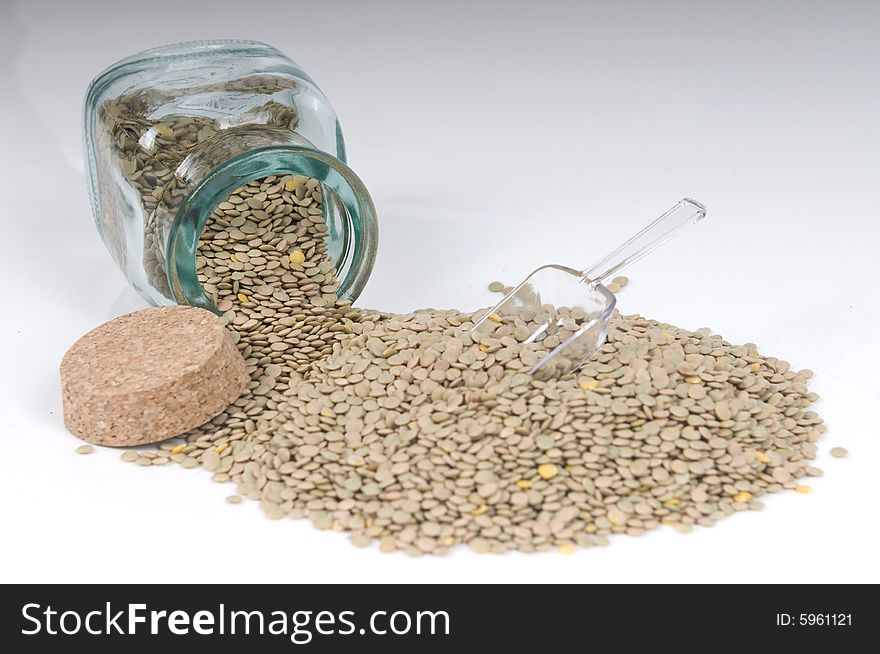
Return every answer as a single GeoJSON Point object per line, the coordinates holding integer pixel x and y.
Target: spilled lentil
{"type": "Point", "coordinates": [409, 431]}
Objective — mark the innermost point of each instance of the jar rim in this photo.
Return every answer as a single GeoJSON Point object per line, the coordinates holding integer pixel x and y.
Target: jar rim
{"type": "Point", "coordinates": [222, 181]}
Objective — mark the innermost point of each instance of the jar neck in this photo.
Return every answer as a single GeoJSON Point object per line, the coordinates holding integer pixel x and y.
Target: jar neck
{"type": "Point", "coordinates": [214, 170]}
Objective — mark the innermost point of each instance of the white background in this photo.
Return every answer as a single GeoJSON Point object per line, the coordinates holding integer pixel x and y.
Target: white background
{"type": "Point", "coordinates": [494, 137]}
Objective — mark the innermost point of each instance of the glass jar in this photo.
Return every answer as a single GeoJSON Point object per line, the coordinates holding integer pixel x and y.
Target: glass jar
{"type": "Point", "coordinates": [171, 132]}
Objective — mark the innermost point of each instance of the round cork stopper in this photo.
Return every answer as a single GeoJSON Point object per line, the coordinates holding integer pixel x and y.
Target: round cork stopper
{"type": "Point", "coordinates": [150, 375]}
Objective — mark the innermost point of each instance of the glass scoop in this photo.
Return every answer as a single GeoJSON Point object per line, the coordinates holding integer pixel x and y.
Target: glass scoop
{"type": "Point", "coordinates": [566, 310]}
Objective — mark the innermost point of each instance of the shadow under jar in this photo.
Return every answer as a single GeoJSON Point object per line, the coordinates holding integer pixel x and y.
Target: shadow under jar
{"type": "Point", "coordinates": [171, 132]}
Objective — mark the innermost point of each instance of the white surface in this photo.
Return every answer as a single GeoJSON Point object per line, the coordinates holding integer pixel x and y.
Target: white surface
{"type": "Point", "coordinates": [494, 137]}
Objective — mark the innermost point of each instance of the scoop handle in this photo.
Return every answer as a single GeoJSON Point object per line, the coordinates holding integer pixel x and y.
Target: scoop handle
{"type": "Point", "coordinates": [685, 212]}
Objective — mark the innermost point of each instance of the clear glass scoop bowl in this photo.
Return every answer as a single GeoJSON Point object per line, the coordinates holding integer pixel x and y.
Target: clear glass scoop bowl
{"type": "Point", "coordinates": [567, 310]}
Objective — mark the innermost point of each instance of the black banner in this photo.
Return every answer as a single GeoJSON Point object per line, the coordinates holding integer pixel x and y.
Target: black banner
{"type": "Point", "coordinates": [510, 618]}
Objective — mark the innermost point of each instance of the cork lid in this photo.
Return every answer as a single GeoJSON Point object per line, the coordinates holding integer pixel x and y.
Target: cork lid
{"type": "Point", "coordinates": [150, 375]}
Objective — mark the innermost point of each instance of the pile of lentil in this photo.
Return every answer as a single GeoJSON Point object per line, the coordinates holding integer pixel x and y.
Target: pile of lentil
{"type": "Point", "coordinates": [410, 431]}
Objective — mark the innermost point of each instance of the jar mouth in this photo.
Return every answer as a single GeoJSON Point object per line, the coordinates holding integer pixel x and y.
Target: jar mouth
{"type": "Point", "coordinates": [347, 199]}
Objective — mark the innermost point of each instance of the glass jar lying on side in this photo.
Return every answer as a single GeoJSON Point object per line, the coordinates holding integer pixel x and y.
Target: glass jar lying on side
{"type": "Point", "coordinates": [170, 133]}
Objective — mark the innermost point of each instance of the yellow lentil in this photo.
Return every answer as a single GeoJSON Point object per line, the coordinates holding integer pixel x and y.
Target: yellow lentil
{"type": "Point", "coordinates": [547, 471]}
{"type": "Point", "coordinates": [297, 257]}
